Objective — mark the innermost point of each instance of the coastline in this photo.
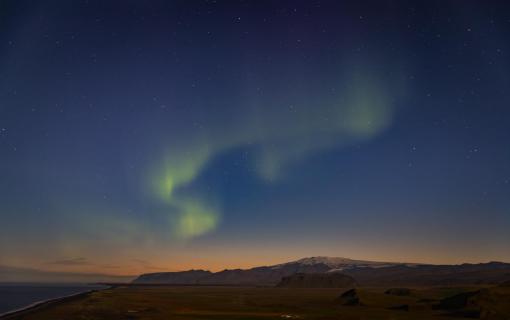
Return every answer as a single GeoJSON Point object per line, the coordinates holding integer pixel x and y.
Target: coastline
{"type": "Point", "coordinates": [38, 305]}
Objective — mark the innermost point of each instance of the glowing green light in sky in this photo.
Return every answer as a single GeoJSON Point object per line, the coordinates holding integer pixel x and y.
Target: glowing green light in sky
{"type": "Point", "coordinates": [195, 220]}
{"type": "Point", "coordinates": [280, 136]}
{"type": "Point", "coordinates": [179, 169]}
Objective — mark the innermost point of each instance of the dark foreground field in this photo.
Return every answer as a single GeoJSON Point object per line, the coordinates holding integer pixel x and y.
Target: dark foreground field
{"type": "Point", "coordinates": [278, 303]}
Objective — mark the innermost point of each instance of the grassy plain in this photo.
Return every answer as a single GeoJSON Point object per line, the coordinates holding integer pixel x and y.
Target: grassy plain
{"type": "Point", "coordinates": [240, 303]}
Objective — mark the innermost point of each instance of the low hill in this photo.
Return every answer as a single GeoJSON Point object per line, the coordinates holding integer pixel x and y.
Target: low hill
{"type": "Point", "coordinates": [182, 277]}
{"type": "Point", "coordinates": [431, 275]}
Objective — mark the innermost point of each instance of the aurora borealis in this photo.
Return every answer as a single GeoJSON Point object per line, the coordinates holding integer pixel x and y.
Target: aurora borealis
{"type": "Point", "coordinates": [138, 136]}
{"type": "Point", "coordinates": [277, 137]}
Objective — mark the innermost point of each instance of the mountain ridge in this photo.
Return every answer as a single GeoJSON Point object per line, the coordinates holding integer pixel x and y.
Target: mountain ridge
{"type": "Point", "coordinates": [364, 272]}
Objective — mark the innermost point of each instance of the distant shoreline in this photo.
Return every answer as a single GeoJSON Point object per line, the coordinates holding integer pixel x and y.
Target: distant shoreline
{"type": "Point", "coordinates": [46, 303]}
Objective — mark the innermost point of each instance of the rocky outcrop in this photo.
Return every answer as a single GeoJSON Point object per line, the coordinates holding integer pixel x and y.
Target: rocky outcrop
{"type": "Point", "coordinates": [349, 298]}
{"type": "Point", "coordinates": [458, 301]}
{"type": "Point", "coordinates": [483, 304]}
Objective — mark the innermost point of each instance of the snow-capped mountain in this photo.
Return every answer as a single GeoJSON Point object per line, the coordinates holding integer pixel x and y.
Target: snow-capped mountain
{"type": "Point", "coordinates": [338, 263]}
{"type": "Point", "coordinates": [269, 275]}
{"type": "Point", "coordinates": [363, 272]}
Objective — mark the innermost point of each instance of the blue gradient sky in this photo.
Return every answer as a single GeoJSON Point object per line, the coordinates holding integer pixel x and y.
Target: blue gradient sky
{"type": "Point", "coordinates": [165, 135]}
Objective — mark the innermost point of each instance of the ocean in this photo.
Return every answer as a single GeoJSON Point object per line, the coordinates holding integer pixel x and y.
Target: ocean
{"type": "Point", "coordinates": [19, 296]}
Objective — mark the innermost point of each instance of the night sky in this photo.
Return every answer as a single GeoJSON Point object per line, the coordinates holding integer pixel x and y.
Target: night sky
{"type": "Point", "coordinates": [138, 136]}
